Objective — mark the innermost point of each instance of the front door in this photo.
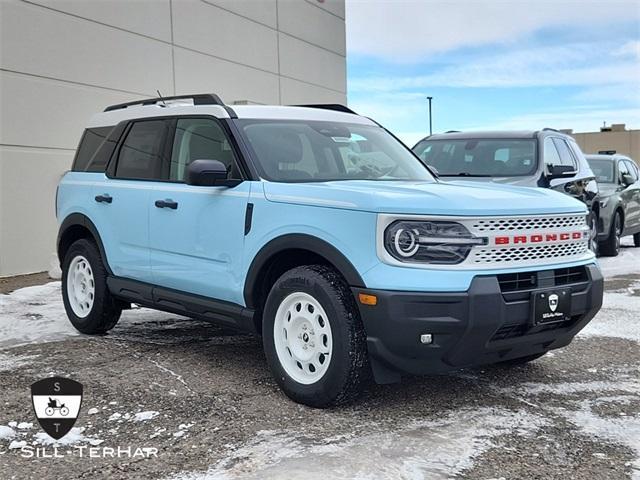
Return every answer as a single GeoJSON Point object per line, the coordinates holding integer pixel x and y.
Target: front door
{"type": "Point", "coordinates": [197, 233]}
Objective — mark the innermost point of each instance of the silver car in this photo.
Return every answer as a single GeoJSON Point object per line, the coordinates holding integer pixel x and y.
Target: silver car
{"type": "Point", "coordinates": [618, 180]}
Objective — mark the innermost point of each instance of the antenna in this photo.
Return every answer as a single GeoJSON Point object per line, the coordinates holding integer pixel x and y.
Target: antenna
{"type": "Point", "coordinates": [164, 104]}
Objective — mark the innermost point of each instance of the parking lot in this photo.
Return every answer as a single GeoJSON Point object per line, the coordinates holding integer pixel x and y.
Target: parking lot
{"type": "Point", "coordinates": [203, 399]}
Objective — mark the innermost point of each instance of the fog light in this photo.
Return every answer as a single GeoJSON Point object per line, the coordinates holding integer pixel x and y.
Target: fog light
{"type": "Point", "coordinates": [426, 338]}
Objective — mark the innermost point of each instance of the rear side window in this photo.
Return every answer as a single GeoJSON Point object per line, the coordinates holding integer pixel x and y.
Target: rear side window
{"type": "Point", "coordinates": [92, 156]}
{"type": "Point", "coordinates": [633, 170]}
{"type": "Point", "coordinates": [140, 155]}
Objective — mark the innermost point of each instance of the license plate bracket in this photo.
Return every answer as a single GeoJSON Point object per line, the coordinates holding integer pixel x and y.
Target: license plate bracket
{"type": "Point", "coordinates": [551, 306]}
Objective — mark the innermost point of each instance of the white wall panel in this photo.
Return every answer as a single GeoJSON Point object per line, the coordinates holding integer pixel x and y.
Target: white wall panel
{"type": "Point", "coordinates": [229, 80]}
{"type": "Point", "coordinates": [263, 11]}
{"type": "Point", "coordinates": [305, 62]}
{"type": "Point", "coordinates": [43, 42]}
{"type": "Point", "coordinates": [303, 20]}
{"type": "Point", "coordinates": [146, 17]}
{"type": "Point", "coordinates": [209, 29]}
{"type": "Point", "coordinates": [27, 199]}
{"type": "Point", "coordinates": [48, 113]}
{"type": "Point", "coordinates": [295, 92]}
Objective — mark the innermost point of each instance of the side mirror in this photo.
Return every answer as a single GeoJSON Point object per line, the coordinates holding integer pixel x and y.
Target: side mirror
{"type": "Point", "coordinates": [209, 173]}
{"type": "Point", "coordinates": [627, 180]}
{"type": "Point", "coordinates": [560, 171]}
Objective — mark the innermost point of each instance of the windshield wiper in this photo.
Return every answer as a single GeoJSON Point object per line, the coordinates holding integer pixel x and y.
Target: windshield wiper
{"type": "Point", "coordinates": [464, 174]}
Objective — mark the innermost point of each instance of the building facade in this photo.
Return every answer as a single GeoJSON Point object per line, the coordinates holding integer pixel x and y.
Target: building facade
{"type": "Point", "coordinates": [63, 60]}
{"type": "Point", "coordinates": [615, 138]}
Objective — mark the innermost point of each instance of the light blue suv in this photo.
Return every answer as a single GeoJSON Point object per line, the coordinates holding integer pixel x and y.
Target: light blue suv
{"type": "Point", "coordinates": [319, 230]}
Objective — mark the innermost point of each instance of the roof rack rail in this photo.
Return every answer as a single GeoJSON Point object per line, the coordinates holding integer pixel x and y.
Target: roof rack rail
{"type": "Point", "coordinates": [452, 131]}
{"type": "Point", "coordinates": [329, 106]}
{"type": "Point", "coordinates": [198, 99]}
{"type": "Point", "coordinates": [547, 129]}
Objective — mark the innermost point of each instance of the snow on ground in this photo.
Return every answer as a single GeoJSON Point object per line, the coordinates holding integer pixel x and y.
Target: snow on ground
{"type": "Point", "coordinates": [36, 314]}
{"type": "Point", "coordinates": [627, 262]}
{"type": "Point", "coordinates": [426, 449]}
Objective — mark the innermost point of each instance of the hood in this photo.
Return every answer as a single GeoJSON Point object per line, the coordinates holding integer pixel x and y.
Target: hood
{"type": "Point", "coordinates": [425, 198]}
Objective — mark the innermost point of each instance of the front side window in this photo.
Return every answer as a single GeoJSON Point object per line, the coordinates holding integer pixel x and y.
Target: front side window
{"type": "Point", "coordinates": [479, 157]}
{"type": "Point", "coordinates": [622, 169]}
{"type": "Point", "coordinates": [308, 151]}
{"type": "Point", "coordinates": [199, 139]}
{"type": "Point", "coordinates": [603, 170]}
{"type": "Point", "coordinates": [551, 155]}
{"type": "Point", "coordinates": [140, 153]}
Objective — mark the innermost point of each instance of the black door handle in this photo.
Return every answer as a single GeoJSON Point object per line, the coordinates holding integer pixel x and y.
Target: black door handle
{"type": "Point", "coordinates": [106, 198]}
{"type": "Point", "coordinates": [167, 204]}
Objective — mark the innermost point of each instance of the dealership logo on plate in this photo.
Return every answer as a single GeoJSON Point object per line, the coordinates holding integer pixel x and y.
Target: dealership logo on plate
{"type": "Point", "coordinates": [553, 302]}
{"type": "Point", "coordinates": [56, 402]}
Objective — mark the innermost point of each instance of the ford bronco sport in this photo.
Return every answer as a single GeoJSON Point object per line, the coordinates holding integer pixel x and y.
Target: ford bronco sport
{"type": "Point", "coordinates": [319, 230]}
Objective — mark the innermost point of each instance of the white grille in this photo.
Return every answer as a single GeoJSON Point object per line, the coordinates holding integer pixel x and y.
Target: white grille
{"type": "Point", "coordinates": [511, 242]}
{"type": "Point", "coordinates": [515, 255]}
{"type": "Point", "coordinates": [530, 223]}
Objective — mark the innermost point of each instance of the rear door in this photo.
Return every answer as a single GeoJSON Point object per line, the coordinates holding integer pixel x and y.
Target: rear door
{"type": "Point", "coordinates": [197, 233]}
{"type": "Point", "coordinates": [121, 201]}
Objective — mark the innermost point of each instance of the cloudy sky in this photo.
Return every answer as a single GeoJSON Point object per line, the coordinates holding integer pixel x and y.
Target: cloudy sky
{"type": "Point", "coordinates": [494, 63]}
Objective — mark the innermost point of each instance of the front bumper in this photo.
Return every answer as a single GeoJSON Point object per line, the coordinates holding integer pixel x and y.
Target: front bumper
{"type": "Point", "coordinates": [489, 323]}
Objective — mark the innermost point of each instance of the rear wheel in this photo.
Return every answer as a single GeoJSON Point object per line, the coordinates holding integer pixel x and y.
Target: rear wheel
{"type": "Point", "coordinates": [611, 246]}
{"type": "Point", "coordinates": [87, 300]}
{"type": "Point", "coordinates": [313, 337]}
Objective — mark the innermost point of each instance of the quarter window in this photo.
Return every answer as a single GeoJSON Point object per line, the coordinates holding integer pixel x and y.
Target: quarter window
{"type": "Point", "coordinates": [141, 153]}
{"type": "Point", "coordinates": [199, 139]}
{"type": "Point", "coordinates": [566, 157]}
{"type": "Point", "coordinates": [89, 157]}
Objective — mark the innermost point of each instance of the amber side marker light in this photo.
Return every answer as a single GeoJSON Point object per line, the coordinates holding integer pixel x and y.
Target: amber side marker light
{"type": "Point", "coordinates": [367, 299]}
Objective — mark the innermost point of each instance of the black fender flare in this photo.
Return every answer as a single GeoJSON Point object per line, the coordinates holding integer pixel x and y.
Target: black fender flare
{"type": "Point", "coordinates": [299, 241]}
{"type": "Point", "coordinates": [79, 219]}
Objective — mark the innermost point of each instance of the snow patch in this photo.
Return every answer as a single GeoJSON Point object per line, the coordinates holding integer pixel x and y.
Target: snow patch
{"type": "Point", "coordinates": [17, 444]}
{"type": "Point", "coordinates": [92, 411]}
{"type": "Point", "coordinates": [75, 436]}
{"type": "Point", "coordinates": [6, 432]}
{"type": "Point", "coordinates": [627, 262]}
{"type": "Point", "coordinates": [616, 319]}
{"type": "Point", "coordinates": [142, 416]}
{"type": "Point", "coordinates": [13, 362]}
{"type": "Point", "coordinates": [436, 449]}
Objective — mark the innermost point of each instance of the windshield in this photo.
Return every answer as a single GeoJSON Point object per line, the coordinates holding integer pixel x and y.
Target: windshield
{"type": "Point", "coordinates": [311, 151]}
{"type": "Point", "coordinates": [603, 170]}
{"type": "Point", "coordinates": [481, 158]}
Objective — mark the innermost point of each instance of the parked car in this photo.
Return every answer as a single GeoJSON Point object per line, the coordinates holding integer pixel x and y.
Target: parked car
{"type": "Point", "coordinates": [545, 158]}
{"type": "Point", "coordinates": [319, 230]}
{"type": "Point", "coordinates": [619, 182]}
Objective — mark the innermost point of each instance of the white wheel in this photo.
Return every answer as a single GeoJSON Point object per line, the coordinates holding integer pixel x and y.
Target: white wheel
{"type": "Point", "coordinates": [49, 411]}
{"type": "Point", "coordinates": [64, 411]}
{"type": "Point", "coordinates": [81, 286]}
{"type": "Point", "coordinates": [302, 337]}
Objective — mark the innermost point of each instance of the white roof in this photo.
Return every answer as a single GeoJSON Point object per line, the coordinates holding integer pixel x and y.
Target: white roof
{"type": "Point", "coordinates": [268, 112]}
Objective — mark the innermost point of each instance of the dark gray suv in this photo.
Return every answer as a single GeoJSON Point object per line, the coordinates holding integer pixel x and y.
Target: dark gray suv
{"type": "Point", "coordinates": [619, 200]}
{"type": "Point", "coordinates": [545, 158]}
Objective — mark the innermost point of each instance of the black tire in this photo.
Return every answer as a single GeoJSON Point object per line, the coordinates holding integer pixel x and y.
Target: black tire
{"type": "Point", "coordinates": [611, 246]}
{"type": "Point", "coordinates": [522, 360]}
{"type": "Point", "coordinates": [348, 370]}
{"type": "Point", "coordinates": [105, 311]}
{"type": "Point", "coordinates": [636, 240]}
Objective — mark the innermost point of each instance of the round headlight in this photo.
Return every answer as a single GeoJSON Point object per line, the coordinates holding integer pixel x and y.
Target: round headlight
{"type": "Point", "coordinates": [405, 242]}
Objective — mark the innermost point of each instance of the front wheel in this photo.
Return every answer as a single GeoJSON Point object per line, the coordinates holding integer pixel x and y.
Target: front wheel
{"type": "Point", "coordinates": [593, 234]}
{"type": "Point", "coordinates": [313, 337]}
{"type": "Point", "coordinates": [611, 246]}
